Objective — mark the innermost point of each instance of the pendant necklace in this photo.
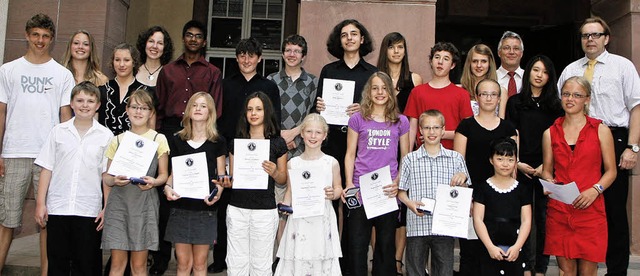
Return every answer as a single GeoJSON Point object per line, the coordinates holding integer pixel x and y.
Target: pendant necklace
{"type": "Point", "coordinates": [151, 77]}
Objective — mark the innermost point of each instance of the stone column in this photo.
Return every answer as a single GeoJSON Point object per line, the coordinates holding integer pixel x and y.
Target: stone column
{"type": "Point", "coordinates": [414, 19]}
{"type": "Point", "coordinates": [4, 9]}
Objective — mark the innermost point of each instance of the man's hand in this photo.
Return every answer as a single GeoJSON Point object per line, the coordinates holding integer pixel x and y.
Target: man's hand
{"type": "Point", "coordinates": [628, 159]}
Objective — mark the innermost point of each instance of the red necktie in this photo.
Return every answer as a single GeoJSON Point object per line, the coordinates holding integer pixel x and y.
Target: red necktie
{"type": "Point", "coordinates": [512, 89]}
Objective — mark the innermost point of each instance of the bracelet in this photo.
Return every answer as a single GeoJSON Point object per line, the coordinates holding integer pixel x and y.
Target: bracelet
{"type": "Point", "coordinates": [598, 188]}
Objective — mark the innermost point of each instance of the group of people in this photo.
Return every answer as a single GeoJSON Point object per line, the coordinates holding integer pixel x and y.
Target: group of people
{"type": "Point", "coordinates": [498, 132]}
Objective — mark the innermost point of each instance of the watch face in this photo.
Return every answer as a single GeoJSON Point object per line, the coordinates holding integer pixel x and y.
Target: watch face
{"type": "Point", "coordinates": [635, 148]}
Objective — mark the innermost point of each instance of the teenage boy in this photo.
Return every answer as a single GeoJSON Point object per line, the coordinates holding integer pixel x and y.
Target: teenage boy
{"type": "Point", "coordinates": [69, 198]}
{"type": "Point", "coordinates": [421, 173]}
{"type": "Point", "coordinates": [236, 89]}
{"type": "Point", "coordinates": [34, 96]}
{"type": "Point", "coordinates": [439, 94]}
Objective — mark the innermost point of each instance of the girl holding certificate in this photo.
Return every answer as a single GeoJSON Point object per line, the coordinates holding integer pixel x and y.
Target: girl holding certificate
{"type": "Point", "coordinates": [376, 133]}
{"type": "Point", "coordinates": [311, 245]}
{"type": "Point", "coordinates": [192, 222]}
{"type": "Point", "coordinates": [574, 149]}
{"type": "Point", "coordinates": [131, 213]}
{"type": "Point", "coordinates": [252, 218]}
{"type": "Point", "coordinates": [502, 213]}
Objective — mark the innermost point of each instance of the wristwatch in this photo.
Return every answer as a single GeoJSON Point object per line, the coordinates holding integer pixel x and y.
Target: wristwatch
{"type": "Point", "coordinates": [635, 148]}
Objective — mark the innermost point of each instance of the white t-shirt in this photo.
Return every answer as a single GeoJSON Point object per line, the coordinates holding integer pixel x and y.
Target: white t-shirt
{"type": "Point", "coordinates": [77, 164]}
{"type": "Point", "coordinates": [34, 94]}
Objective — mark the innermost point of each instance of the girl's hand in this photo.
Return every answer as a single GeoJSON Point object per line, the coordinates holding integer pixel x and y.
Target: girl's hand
{"type": "Point", "coordinates": [41, 215]}
{"type": "Point", "coordinates": [216, 197]}
{"type": "Point", "coordinates": [320, 104]}
{"type": "Point", "coordinates": [459, 179]}
{"type": "Point", "coordinates": [149, 180]}
{"type": "Point", "coordinates": [414, 207]}
{"type": "Point", "coordinates": [585, 199]}
{"type": "Point", "coordinates": [170, 193]}
{"type": "Point", "coordinates": [225, 181]}
{"type": "Point", "coordinates": [121, 181]}
{"type": "Point", "coordinates": [353, 108]}
{"type": "Point", "coordinates": [100, 220]}
{"type": "Point", "coordinates": [512, 254]}
{"type": "Point", "coordinates": [496, 253]}
{"type": "Point", "coordinates": [270, 168]}
{"type": "Point", "coordinates": [527, 170]}
{"type": "Point", "coordinates": [538, 171]}
{"type": "Point", "coordinates": [328, 193]}
{"type": "Point", "coordinates": [391, 190]}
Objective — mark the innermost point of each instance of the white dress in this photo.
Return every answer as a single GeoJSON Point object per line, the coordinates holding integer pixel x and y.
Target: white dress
{"type": "Point", "coordinates": [311, 246]}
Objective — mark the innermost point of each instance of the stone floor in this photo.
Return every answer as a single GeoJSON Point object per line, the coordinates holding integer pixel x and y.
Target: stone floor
{"type": "Point", "coordinates": [24, 260]}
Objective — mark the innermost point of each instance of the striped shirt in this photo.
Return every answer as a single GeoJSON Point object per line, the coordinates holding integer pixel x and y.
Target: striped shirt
{"type": "Point", "coordinates": [615, 87]}
{"type": "Point", "coordinates": [420, 176]}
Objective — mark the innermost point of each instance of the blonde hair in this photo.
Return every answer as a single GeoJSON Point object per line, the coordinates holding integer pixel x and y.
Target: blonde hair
{"type": "Point", "coordinates": [314, 118]}
{"type": "Point", "coordinates": [391, 111]}
{"type": "Point", "coordinates": [468, 80]}
{"type": "Point", "coordinates": [92, 72]}
{"type": "Point", "coordinates": [584, 83]}
{"type": "Point", "coordinates": [212, 132]}
{"type": "Point", "coordinates": [142, 97]}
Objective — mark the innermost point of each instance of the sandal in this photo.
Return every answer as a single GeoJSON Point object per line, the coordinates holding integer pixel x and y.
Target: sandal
{"type": "Point", "coordinates": [401, 265]}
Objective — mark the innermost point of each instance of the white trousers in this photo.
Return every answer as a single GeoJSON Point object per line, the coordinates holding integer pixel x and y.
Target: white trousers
{"type": "Point", "coordinates": [251, 236]}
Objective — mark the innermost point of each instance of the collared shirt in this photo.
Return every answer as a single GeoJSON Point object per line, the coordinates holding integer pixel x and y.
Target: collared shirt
{"type": "Point", "coordinates": [236, 90]}
{"type": "Point", "coordinates": [77, 164]}
{"type": "Point", "coordinates": [503, 77]}
{"type": "Point", "coordinates": [296, 98]}
{"type": "Point", "coordinates": [178, 80]}
{"type": "Point", "coordinates": [360, 73]}
{"type": "Point", "coordinates": [420, 176]}
{"type": "Point", "coordinates": [615, 87]}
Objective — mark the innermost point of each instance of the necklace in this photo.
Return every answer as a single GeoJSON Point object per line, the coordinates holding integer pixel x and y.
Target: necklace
{"type": "Point", "coordinates": [151, 77]}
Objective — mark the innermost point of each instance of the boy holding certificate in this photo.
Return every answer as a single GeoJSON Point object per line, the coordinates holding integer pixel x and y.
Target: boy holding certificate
{"type": "Point", "coordinates": [421, 173]}
{"type": "Point", "coordinates": [69, 199]}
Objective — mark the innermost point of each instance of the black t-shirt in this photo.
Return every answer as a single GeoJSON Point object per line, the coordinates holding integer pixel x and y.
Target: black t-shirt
{"type": "Point", "coordinates": [479, 146]}
{"type": "Point", "coordinates": [213, 150]}
{"type": "Point", "coordinates": [260, 199]}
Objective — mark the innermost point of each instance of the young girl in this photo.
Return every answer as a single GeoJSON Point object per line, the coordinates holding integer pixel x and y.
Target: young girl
{"type": "Point", "coordinates": [81, 58]}
{"type": "Point", "coordinates": [376, 133]}
{"type": "Point", "coordinates": [481, 65]}
{"type": "Point", "coordinates": [131, 214]}
{"type": "Point", "coordinates": [311, 246]}
{"type": "Point", "coordinates": [502, 213]}
{"type": "Point", "coordinates": [192, 222]}
{"type": "Point", "coordinates": [252, 218]}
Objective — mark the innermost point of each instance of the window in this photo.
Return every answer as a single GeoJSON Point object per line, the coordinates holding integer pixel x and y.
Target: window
{"type": "Point", "coordinates": [232, 20]}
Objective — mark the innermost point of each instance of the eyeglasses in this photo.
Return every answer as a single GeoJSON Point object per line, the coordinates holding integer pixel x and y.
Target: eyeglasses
{"type": "Point", "coordinates": [592, 35]}
{"type": "Point", "coordinates": [508, 48]}
{"type": "Point", "coordinates": [289, 51]}
{"type": "Point", "coordinates": [189, 35]}
{"type": "Point", "coordinates": [488, 95]}
{"type": "Point", "coordinates": [574, 95]}
{"type": "Point", "coordinates": [139, 108]}
{"type": "Point", "coordinates": [430, 128]}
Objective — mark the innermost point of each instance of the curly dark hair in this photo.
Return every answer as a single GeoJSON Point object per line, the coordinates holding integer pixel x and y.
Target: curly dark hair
{"type": "Point", "coordinates": [249, 46]}
{"type": "Point", "coordinates": [449, 47]}
{"type": "Point", "coordinates": [141, 44]}
{"type": "Point", "coordinates": [334, 44]}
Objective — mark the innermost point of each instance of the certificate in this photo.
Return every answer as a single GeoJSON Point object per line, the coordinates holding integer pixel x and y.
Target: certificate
{"type": "Point", "coordinates": [566, 193]}
{"type": "Point", "coordinates": [337, 96]}
{"type": "Point", "coordinates": [307, 191]}
{"type": "Point", "coordinates": [471, 235]}
{"type": "Point", "coordinates": [451, 214]}
{"type": "Point", "coordinates": [248, 155]}
{"type": "Point", "coordinates": [133, 156]}
{"type": "Point", "coordinates": [375, 202]}
{"type": "Point", "coordinates": [191, 175]}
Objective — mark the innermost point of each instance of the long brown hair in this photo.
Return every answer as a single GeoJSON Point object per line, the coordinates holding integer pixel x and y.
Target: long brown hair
{"type": "Point", "coordinates": [93, 63]}
{"type": "Point", "coordinates": [391, 111]}
{"type": "Point", "coordinates": [468, 80]}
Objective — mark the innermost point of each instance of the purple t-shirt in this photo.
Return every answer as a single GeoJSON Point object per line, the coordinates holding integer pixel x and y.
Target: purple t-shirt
{"type": "Point", "coordinates": [377, 144]}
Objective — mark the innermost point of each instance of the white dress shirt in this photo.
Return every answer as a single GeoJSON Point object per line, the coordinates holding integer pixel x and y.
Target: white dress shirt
{"type": "Point", "coordinates": [503, 78]}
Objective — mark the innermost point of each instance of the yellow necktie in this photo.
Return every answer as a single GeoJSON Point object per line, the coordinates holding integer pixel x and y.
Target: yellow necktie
{"type": "Point", "coordinates": [591, 65]}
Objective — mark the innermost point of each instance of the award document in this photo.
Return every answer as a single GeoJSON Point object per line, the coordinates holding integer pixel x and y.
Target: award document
{"type": "Point", "coordinates": [337, 96]}
{"type": "Point", "coordinates": [191, 175]}
{"type": "Point", "coordinates": [375, 202]}
{"type": "Point", "coordinates": [134, 156]}
{"type": "Point", "coordinates": [307, 191]}
{"type": "Point", "coordinates": [566, 193]}
{"type": "Point", "coordinates": [451, 214]}
{"type": "Point", "coordinates": [248, 155]}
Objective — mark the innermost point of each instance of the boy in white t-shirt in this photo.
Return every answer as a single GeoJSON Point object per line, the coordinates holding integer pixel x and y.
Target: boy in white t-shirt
{"type": "Point", "coordinates": [69, 200]}
{"type": "Point", "coordinates": [34, 96]}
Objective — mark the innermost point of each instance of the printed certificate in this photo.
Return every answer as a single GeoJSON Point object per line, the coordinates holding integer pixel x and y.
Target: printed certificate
{"type": "Point", "coordinates": [307, 191]}
{"type": "Point", "coordinates": [375, 202]}
{"type": "Point", "coordinates": [337, 96]}
{"type": "Point", "coordinates": [248, 155]}
{"type": "Point", "coordinates": [134, 156]}
{"type": "Point", "coordinates": [451, 214]}
{"type": "Point", "coordinates": [191, 175]}
{"type": "Point", "coordinates": [566, 193]}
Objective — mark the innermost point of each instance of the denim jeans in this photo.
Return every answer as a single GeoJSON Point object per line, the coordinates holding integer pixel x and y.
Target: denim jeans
{"type": "Point", "coordinates": [417, 254]}
{"type": "Point", "coordinates": [384, 260]}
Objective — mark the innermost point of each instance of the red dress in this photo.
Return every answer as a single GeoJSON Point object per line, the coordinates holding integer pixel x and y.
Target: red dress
{"type": "Point", "coordinates": [577, 233]}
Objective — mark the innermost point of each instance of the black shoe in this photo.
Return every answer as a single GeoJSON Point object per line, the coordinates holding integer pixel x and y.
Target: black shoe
{"type": "Point", "coordinates": [158, 268]}
{"type": "Point", "coordinates": [215, 268]}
